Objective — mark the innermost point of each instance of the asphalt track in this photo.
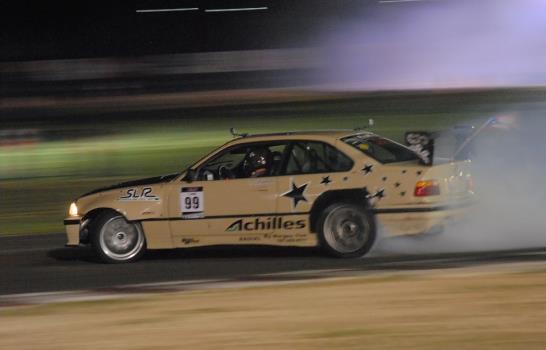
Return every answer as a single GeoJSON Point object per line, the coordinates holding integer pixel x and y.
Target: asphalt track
{"type": "Point", "coordinates": [41, 263]}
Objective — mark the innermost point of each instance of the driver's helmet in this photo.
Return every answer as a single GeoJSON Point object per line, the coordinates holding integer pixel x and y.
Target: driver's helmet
{"type": "Point", "coordinates": [258, 162]}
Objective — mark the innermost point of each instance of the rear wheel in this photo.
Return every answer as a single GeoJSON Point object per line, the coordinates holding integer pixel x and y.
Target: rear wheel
{"type": "Point", "coordinates": [117, 240]}
{"type": "Point", "coordinates": [346, 230]}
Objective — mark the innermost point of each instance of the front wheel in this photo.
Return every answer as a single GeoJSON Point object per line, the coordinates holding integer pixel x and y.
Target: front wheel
{"type": "Point", "coordinates": [117, 240]}
{"type": "Point", "coordinates": [346, 230]}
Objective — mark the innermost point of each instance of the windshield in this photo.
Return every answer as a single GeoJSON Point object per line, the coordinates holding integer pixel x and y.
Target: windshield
{"type": "Point", "coordinates": [381, 149]}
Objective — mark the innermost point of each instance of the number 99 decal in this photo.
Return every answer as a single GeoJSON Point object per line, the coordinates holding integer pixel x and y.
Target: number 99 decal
{"type": "Point", "coordinates": [192, 203]}
{"type": "Point", "coordinates": [191, 200]}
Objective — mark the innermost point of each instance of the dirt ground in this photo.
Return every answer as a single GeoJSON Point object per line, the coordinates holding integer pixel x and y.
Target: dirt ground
{"type": "Point", "coordinates": [478, 308]}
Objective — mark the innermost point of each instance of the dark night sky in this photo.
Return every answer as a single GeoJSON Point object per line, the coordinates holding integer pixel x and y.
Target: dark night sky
{"type": "Point", "coordinates": [83, 28]}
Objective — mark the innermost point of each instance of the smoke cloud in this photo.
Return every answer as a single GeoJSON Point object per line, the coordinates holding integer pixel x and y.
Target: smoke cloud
{"type": "Point", "coordinates": [509, 169]}
{"type": "Point", "coordinates": [440, 44]}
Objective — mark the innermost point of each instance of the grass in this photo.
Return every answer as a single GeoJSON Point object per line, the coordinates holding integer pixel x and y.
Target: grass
{"type": "Point", "coordinates": [437, 310]}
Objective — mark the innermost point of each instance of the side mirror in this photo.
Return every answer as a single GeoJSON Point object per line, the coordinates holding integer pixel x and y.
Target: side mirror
{"type": "Point", "coordinates": [190, 176]}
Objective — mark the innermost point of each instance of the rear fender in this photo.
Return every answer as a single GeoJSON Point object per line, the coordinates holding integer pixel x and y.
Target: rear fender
{"type": "Point", "coordinates": [358, 196]}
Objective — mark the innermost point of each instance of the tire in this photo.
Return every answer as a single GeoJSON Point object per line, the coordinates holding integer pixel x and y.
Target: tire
{"type": "Point", "coordinates": [346, 230]}
{"type": "Point", "coordinates": [116, 240]}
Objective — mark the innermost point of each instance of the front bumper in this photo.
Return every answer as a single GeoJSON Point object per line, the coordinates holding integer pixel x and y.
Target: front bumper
{"type": "Point", "coordinates": [73, 228]}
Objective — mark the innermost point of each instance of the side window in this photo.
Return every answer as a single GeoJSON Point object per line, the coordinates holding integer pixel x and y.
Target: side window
{"type": "Point", "coordinates": [245, 161]}
{"type": "Point", "coordinates": [316, 157]}
{"type": "Point", "coordinates": [380, 149]}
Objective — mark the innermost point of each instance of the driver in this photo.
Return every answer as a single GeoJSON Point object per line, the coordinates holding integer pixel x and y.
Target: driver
{"type": "Point", "coordinates": [259, 162]}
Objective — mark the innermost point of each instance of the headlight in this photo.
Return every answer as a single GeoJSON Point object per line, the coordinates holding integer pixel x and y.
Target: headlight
{"type": "Point", "coordinates": [73, 211]}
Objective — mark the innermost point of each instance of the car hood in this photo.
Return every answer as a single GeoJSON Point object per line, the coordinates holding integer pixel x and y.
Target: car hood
{"type": "Point", "coordinates": [140, 182]}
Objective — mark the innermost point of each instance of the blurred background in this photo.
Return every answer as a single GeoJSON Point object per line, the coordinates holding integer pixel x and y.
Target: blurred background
{"type": "Point", "coordinates": [96, 92]}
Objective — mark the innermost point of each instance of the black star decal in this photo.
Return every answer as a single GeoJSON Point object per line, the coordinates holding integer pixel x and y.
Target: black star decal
{"type": "Point", "coordinates": [326, 180]}
{"type": "Point", "coordinates": [367, 169]}
{"type": "Point", "coordinates": [404, 171]}
{"type": "Point", "coordinates": [419, 172]}
{"type": "Point", "coordinates": [384, 178]}
{"type": "Point", "coordinates": [397, 184]}
{"type": "Point", "coordinates": [296, 193]}
{"type": "Point", "coordinates": [345, 178]}
{"type": "Point", "coordinates": [403, 193]}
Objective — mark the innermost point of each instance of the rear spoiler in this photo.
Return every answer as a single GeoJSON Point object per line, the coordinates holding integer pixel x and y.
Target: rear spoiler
{"type": "Point", "coordinates": [464, 149]}
{"type": "Point", "coordinates": [422, 142]}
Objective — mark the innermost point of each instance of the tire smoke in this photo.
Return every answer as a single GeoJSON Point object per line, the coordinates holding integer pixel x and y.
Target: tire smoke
{"type": "Point", "coordinates": [509, 171]}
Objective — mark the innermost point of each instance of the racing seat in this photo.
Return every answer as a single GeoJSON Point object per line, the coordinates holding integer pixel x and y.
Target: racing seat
{"type": "Point", "coordinates": [276, 163]}
{"type": "Point", "coordinates": [310, 163]}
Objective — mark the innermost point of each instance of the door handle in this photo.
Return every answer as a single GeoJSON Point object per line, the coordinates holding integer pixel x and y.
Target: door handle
{"type": "Point", "coordinates": [262, 183]}
{"type": "Point", "coordinates": [262, 189]}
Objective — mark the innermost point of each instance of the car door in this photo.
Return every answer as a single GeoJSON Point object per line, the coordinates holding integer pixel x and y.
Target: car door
{"type": "Point", "coordinates": [230, 202]}
{"type": "Point", "coordinates": [312, 168]}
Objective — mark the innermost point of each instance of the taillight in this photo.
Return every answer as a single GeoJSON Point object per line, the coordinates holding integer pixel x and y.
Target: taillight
{"type": "Point", "coordinates": [427, 188]}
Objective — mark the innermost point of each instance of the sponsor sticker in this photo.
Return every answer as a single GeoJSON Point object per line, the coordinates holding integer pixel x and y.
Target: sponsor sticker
{"type": "Point", "coordinates": [137, 194]}
{"type": "Point", "coordinates": [422, 143]}
{"type": "Point", "coordinates": [264, 224]}
{"type": "Point", "coordinates": [189, 240]}
{"type": "Point", "coordinates": [250, 239]}
{"type": "Point", "coordinates": [287, 237]}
